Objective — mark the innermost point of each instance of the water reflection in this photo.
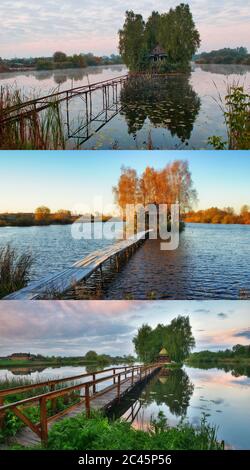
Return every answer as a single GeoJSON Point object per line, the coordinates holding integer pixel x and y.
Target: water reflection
{"type": "Point", "coordinates": [167, 102]}
{"type": "Point", "coordinates": [225, 69]}
{"type": "Point", "coordinates": [172, 388]}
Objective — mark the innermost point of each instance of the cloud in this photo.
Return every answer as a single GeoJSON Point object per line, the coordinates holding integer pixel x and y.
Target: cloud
{"type": "Point", "coordinates": [222, 315]}
{"type": "Point", "coordinates": [76, 26]}
{"type": "Point", "coordinates": [243, 334]}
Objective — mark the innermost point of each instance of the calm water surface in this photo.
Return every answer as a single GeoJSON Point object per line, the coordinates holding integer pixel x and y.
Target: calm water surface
{"type": "Point", "coordinates": [212, 262]}
{"type": "Point", "coordinates": [223, 395]}
{"type": "Point", "coordinates": [180, 112]}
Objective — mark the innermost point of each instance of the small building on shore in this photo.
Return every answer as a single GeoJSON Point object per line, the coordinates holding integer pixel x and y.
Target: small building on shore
{"type": "Point", "coordinates": [158, 54]}
{"type": "Point", "coordinates": [163, 357]}
{"type": "Point", "coordinates": [20, 357]}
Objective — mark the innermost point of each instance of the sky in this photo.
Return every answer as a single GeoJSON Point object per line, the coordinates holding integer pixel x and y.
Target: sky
{"type": "Point", "coordinates": [71, 179]}
{"type": "Point", "coordinates": [39, 28]}
{"type": "Point", "coordinates": [74, 327]}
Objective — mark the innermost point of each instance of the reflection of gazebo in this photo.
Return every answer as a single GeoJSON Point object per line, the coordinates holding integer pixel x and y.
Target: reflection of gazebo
{"type": "Point", "coordinates": [157, 54]}
{"type": "Point", "coordinates": [163, 357]}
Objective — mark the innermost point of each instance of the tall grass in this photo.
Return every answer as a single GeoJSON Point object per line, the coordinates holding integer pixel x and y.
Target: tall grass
{"type": "Point", "coordinates": [39, 130]}
{"type": "Point", "coordinates": [14, 270]}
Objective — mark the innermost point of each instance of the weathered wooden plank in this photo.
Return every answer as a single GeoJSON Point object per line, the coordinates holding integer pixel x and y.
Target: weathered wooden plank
{"type": "Point", "coordinates": [80, 270]}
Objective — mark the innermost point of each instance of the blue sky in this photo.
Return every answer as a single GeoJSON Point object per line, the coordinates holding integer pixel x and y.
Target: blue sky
{"type": "Point", "coordinates": [67, 179]}
{"type": "Point", "coordinates": [74, 327]}
{"type": "Point", "coordinates": [41, 27]}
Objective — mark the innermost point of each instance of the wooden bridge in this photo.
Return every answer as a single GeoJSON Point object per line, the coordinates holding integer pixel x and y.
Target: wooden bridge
{"type": "Point", "coordinates": [107, 110]}
{"type": "Point", "coordinates": [56, 284]}
{"type": "Point", "coordinates": [90, 389]}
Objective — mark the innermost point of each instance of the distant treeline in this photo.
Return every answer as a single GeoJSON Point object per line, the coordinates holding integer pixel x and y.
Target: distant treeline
{"type": "Point", "coordinates": [59, 60]}
{"type": "Point", "coordinates": [43, 216]}
{"type": "Point", "coordinates": [219, 216]}
{"type": "Point", "coordinates": [239, 55]}
{"type": "Point", "coordinates": [237, 353]}
{"type": "Point", "coordinates": [89, 358]}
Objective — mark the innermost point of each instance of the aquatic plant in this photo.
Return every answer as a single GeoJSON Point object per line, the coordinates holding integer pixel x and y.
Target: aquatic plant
{"type": "Point", "coordinates": [36, 130]}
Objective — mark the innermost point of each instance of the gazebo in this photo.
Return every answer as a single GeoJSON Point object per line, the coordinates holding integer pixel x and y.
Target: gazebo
{"type": "Point", "coordinates": [163, 357]}
{"type": "Point", "coordinates": [158, 54]}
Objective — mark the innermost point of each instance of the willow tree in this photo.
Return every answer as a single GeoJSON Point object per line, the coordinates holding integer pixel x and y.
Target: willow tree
{"type": "Point", "coordinates": [174, 31]}
{"type": "Point", "coordinates": [176, 337]}
{"type": "Point", "coordinates": [131, 40]}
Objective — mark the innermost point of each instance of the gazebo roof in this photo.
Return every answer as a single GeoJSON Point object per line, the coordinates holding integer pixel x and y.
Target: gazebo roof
{"type": "Point", "coordinates": [163, 352]}
{"type": "Point", "coordinates": [158, 50]}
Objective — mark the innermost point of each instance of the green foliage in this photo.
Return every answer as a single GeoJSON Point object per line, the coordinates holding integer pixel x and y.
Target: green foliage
{"type": "Point", "coordinates": [176, 337]}
{"type": "Point", "coordinates": [239, 55]}
{"type": "Point", "coordinates": [98, 433]}
{"type": "Point", "coordinates": [237, 353]}
{"type": "Point", "coordinates": [174, 31]}
{"type": "Point", "coordinates": [236, 110]}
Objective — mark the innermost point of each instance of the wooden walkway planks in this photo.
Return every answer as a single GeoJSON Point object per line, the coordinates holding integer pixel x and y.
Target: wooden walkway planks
{"type": "Point", "coordinates": [82, 269]}
{"type": "Point", "coordinates": [27, 438]}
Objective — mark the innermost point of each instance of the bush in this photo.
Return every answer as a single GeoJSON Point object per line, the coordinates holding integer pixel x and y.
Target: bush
{"type": "Point", "coordinates": [98, 433]}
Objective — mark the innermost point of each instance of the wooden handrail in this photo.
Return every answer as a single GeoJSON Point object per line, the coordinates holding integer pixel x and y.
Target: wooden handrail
{"type": "Point", "coordinates": [48, 383]}
{"type": "Point", "coordinates": [41, 429]}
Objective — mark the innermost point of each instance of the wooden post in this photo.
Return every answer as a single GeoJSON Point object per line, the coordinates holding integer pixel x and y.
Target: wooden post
{"type": "Point", "coordinates": [2, 414]}
{"type": "Point", "coordinates": [87, 401]}
{"type": "Point", "coordinates": [132, 378]}
{"type": "Point", "coordinates": [119, 387]}
{"type": "Point", "coordinates": [114, 376]}
{"type": "Point", "coordinates": [43, 421]}
{"type": "Point", "coordinates": [94, 385]}
{"type": "Point", "coordinates": [117, 262]}
{"type": "Point", "coordinates": [53, 401]}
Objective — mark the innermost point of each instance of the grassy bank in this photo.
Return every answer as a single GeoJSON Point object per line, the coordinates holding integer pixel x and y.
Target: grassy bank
{"type": "Point", "coordinates": [100, 434]}
{"type": "Point", "coordinates": [239, 354]}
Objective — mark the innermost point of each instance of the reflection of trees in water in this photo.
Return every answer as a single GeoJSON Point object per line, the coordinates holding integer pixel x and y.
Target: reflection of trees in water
{"type": "Point", "coordinates": [168, 102]}
{"type": "Point", "coordinates": [225, 69]}
{"type": "Point", "coordinates": [174, 389]}
{"type": "Point", "coordinates": [61, 76]}
{"type": "Point", "coordinates": [237, 370]}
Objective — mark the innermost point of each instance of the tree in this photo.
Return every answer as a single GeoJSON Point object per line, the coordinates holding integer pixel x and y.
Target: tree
{"type": "Point", "coordinates": [63, 216]}
{"type": "Point", "coordinates": [42, 215]}
{"type": "Point", "coordinates": [132, 41]}
{"type": "Point", "coordinates": [176, 337]}
{"type": "Point", "coordinates": [59, 56]}
{"type": "Point", "coordinates": [170, 185]}
{"type": "Point", "coordinates": [91, 356]}
{"type": "Point", "coordinates": [175, 31]}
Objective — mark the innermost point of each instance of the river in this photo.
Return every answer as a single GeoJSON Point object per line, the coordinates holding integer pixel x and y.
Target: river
{"type": "Point", "coordinates": [211, 262]}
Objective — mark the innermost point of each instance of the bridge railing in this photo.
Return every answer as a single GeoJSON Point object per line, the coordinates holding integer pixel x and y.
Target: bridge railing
{"type": "Point", "coordinates": [59, 96]}
{"type": "Point", "coordinates": [88, 392]}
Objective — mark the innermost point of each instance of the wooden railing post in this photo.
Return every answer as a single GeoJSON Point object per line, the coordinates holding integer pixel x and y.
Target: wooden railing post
{"type": "Point", "coordinates": [53, 401]}
{"type": "Point", "coordinates": [94, 385]}
{"type": "Point", "coordinates": [43, 421]}
{"type": "Point", "coordinates": [87, 401]}
{"type": "Point", "coordinates": [114, 376]}
{"type": "Point", "coordinates": [2, 414]}
{"type": "Point", "coordinates": [132, 378]}
{"type": "Point", "coordinates": [119, 387]}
